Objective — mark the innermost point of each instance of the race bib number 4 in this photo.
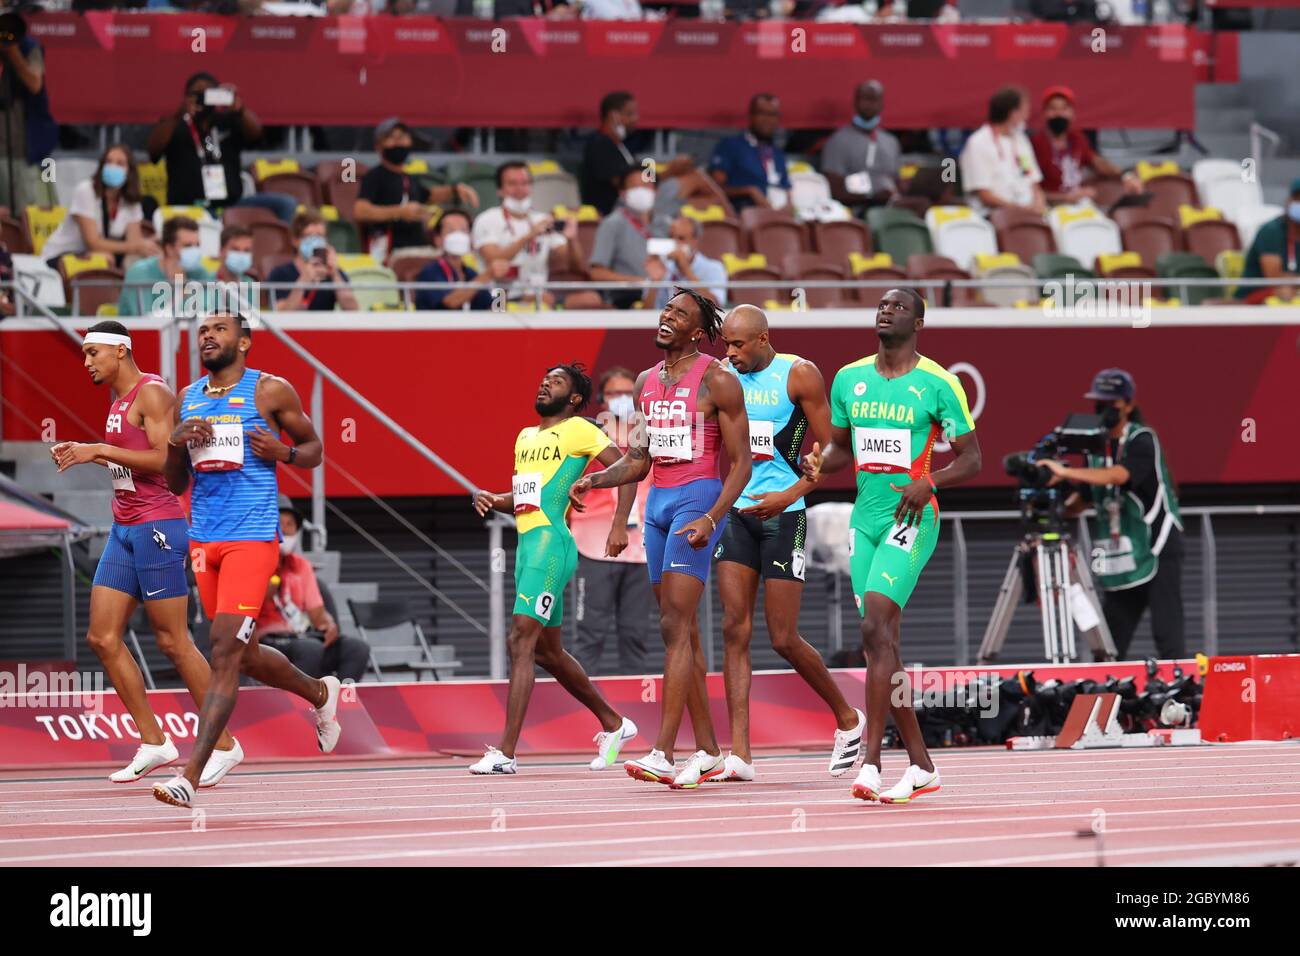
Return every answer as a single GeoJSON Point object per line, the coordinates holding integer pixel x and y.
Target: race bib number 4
{"type": "Point", "coordinates": [882, 449]}
{"type": "Point", "coordinates": [901, 536]}
{"type": "Point", "coordinates": [761, 447]}
{"type": "Point", "coordinates": [121, 475]}
{"type": "Point", "coordinates": [528, 492]}
{"type": "Point", "coordinates": [224, 451]}
{"type": "Point", "coordinates": [672, 443]}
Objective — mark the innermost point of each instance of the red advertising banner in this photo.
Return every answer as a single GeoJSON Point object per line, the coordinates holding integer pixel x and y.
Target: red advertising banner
{"type": "Point", "coordinates": [465, 387]}
{"type": "Point", "coordinates": [41, 729]}
{"type": "Point", "coordinates": [119, 67]}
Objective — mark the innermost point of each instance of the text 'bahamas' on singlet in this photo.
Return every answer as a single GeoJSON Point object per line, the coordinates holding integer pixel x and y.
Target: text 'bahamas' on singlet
{"type": "Point", "coordinates": [776, 428]}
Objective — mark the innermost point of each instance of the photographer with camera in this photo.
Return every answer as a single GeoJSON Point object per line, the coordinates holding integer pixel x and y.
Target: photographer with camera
{"type": "Point", "coordinates": [28, 133]}
{"type": "Point", "coordinates": [316, 262]}
{"type": "Point", "coordinates": [1137, 548]}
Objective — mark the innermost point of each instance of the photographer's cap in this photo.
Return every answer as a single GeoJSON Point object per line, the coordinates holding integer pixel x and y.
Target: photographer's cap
{"type": "Point", "coordinates": [1110, 384]}
{"type": "Point", "coordinates": [395, 122]}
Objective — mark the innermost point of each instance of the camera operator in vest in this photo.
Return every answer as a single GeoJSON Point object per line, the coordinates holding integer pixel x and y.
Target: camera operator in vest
{"type": "Point", "coordinates": [1137, 546]}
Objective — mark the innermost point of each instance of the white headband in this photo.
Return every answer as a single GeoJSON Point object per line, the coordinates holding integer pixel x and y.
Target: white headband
{"type": "Point", "coordinates": [106, 338]}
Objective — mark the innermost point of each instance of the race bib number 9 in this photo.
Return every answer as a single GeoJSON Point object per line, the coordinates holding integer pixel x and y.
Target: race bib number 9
{"type": "Point", "coordinates": [901, 536]}
{"type": "Point", "coordinates": [545, 605]}
{"type": "Point", "coordinates": [761, 447]}
{"type": "Point", "coordinates": [528, 492]}
{"type": "Point", "coordinates": [121, 475]}
{"type": "Point", "coordinates": [672, 443]}
{"type": "Point", "coordinates": [882, 449]}
{"type": "Point", "coordinates": [224, 451]}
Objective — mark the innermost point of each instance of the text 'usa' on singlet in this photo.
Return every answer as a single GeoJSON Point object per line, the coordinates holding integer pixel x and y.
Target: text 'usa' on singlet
{"type": "Point", "coordinates": [137, 496]}
{"type": "Point", "coordinates": [683, 445]}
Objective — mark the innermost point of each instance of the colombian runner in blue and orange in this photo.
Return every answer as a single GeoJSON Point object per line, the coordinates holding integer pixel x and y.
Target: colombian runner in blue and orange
{"type": "Point", "coordinates": [887, 412]}
{"type": "Point", "coordinates": [549, 457]}
{"type": "Point", "coordinates": [225, 442]}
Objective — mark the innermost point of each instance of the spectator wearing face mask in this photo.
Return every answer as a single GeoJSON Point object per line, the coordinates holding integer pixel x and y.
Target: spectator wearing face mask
{"type": "Point", "coordinates": [1064, 154]}
{"type": "Point", "coordinates": [861, 160]}
{"type": "Point", "coordinates": [1274, 253]}
{"type": "Point", "coordinates": [525, 239]}
{"type": "Point", "coordinates": [104, 215]}
{"type": "Point", "coordinates": [394, 207]}
{"type": "Point", "coordinates": [620, 245]}
{"type": "Point", "coordinates": [750, 167]}
{"type": "Point", "coordinates": [294, 619]}
{"type": "Point", "coordinates": [998, 167]}
{"type": "Point", "coordinates": [233, 264]}
{"type": "Point", "coordinates": [686, 265]}
{"type": "Point", "coordinates": [613, 594]}
{"type": "Point", "coordinates": [315, 263]}
{"type": "Point", "coordinates": [203, 143]}
{"type": "Point", "coordinates": [180, 261]}
{"type": "Point", "coordinates": [454, 240]}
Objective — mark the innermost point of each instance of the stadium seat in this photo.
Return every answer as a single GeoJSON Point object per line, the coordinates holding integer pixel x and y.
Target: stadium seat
{"type": "Point", "coordinates": [14, 236]}
{"type": "Point", "coordinates": [808, 188]}
{"type": "Point", "coordinates": [1027, 239]}
{"type": "Point", "coordinates": [361, 260]}
{"type": "Point", "coordinates": [904, 238]}
{"type": "Point", "coordinates": [271, 238]}
{"type": "Point", "coordinates": [734, 263]}
{"type": "Point", "coordinates": [719, 239]}
{"type": "Point", "coordinates": [153, 180]}
{"type": "Point", "coordinates": [70, 265]}
{"type": "Point", "coordinates": [342, 235]}
{"type": "Point", "coordinates": [406, 268]}
{"type": "Point", "coordinates": [1206, 171]}
{"type": "Point", "coordinates": [556, 188]}
{"type": "Point", "coordinates": [300, 186]}
{"type": "Point", "coordinates": [375, 287]}
{"type": "Point", "coordinates": [880, 216]}
{"type": "Point", "coordinates": [1148, 170]}
{"type": "Point", "coordinates": [247, 215]}
{"type": "Point", "coordinates": [268, 263]}
{"type": "Point", "coordinates": [40, 223]}
{"type": "Point", "coordinates": [1170, 192]}
{"type": "Point", "coordinates": [776, 239]}
{"type": "Point", "coordinates": [1107, 190]}
{"type": "Point", "coordinates": [1004, 217]}
{"type": "Point", "coordinates": [1188, 265]}
{"type": "Point", "coordinates": [1005, 266]}
{"type": "Point", "coordinates": [107, 310]}
{"type": "Point", "coordinates": [960, 234]}
{"type": "Point", "coordinates": [1087, 237]}
{"type": "Point", "coordinates": [1126, 266]}
{"type": "Point", "coordinates": [918, 206]}
{"type": "Point", "coordinates": [1249, 220]}
{"type": "Point", "coordinates": [576, 211]}
{"type": "Point", "coordinates": [837, 240]}
{"type": "Point", "coordinates": [756, 295]}
{"type": "Point", "coordinates": [1052, 265]}
{"type": "Point", "coordinates": [869, 296]}
{"type": "Point", "coordinates": [711, 212]}
{"type": "Point", "coordinates": [938, 267]}
{"type": "Point", "coordinates": [1210, 237]}
{"type": "Point", "coordinates": [264, 168]}
{"type": "Point", "coordinates": [37, 279]}
{"type": "Point", "coordinates": [1230, 264]}
{"type": "Point", "coordinates": [1189, 215]}
{"type": "Point", "coordinates": [1132, 215]}
{"type": "Point", "coordinates": [817, 267]}
{"type": "Point", "coordinates": [752, 217]}
{"type": "Point", "coordinates": [1151, 239]}
{"type": "Point", "coordinates": [92, 288]}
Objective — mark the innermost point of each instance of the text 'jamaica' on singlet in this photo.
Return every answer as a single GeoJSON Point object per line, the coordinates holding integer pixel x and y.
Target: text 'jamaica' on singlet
{"type": "Point", "coordinates": [234, 493]}
{"type": "Point", "coordinates": [547, 463]}
{"type": "Point", "coordinates": [683, 445]}
{"type": "Point", "coordinates": [776, 428]}
{"type": "Point", "coordinates": [137, 496]}
{"type": "Point", "coordinates": [895, 423]}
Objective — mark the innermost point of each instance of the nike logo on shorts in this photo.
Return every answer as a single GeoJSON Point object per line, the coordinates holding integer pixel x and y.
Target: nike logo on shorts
{"type": "Point", "coordinates": [676, 565]}
{"type": "Point", "coordinates": [152, 593]}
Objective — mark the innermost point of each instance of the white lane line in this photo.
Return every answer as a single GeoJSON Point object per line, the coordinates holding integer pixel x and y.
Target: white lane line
{"type": "Point", "coordinates": [1125, 851]}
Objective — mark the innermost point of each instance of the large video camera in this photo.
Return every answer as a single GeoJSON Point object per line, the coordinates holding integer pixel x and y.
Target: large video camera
{"type": "Point", "coordinates": [1041, 507]}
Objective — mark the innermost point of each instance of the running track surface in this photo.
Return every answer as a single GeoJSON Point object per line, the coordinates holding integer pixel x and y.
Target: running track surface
{"type": "Point", "coordinates": [1235, 803]}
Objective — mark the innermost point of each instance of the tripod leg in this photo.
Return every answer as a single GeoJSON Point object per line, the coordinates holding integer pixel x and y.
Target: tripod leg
{"type": "Point", "coordinates": [1009, 595]}
{"type": "Point", "coordinates": [1099, 638]}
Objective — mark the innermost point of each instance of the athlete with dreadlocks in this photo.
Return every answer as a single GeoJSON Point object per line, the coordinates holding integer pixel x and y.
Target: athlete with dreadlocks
{"type": "Point", "coordinates": [689, 406]}
{"type": "Point", "coordinates": [549, 457]}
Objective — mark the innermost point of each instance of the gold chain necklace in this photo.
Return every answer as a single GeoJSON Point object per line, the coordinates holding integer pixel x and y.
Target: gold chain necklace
{"type": "Point", "coordinates": [216, 391]}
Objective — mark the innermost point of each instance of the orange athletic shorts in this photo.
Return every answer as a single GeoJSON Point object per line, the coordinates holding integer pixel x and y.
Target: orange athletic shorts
{"type": "Point", "coordinates": [233, 575]}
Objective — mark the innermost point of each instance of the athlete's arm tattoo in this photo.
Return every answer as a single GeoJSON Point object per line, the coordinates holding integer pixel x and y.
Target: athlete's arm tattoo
{"type": "Point", "coordinates": [728, 400]}
{"type": "Point", "coordinates": [964, 467]}
{"type": "Point", "coordinates": [286, 409]}
{"type": "Point", "coordinates": [626, 492]}
{"type": "Point", "coordinates": [807, 389]}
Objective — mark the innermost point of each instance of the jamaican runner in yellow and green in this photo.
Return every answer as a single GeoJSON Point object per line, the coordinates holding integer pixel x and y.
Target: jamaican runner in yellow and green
{"type": "Point", "coordinates": [887, 412]}
{"type": "Point", "coordinates": [549, 457]}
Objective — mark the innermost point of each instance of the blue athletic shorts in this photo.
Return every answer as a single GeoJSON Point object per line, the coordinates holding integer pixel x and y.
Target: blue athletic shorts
{"type": "Point", "coordinates": [146, 560]}
{"type": "Point", "coordinates": [666, 511]}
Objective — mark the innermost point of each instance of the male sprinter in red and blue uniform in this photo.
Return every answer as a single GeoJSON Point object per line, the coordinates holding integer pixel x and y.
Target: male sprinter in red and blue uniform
{"type": "Point", "coordinates": [689, 406]}
{"type": "Point", "coordinates": [144, 560]}
{"type": "Point", "coordinates": [221, 440]}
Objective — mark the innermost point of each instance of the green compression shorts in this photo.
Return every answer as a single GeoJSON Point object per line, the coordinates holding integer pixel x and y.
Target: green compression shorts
{"type": "Point", "coordinates": [544, 562]}
{"type": "Point", "coordinates": [887, 558]}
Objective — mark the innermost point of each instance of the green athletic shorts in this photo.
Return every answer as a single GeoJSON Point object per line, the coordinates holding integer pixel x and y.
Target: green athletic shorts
{"type": "Point", "coordinates": [544, 562]}
{"type": "Point", "coordinates": [887, 558]}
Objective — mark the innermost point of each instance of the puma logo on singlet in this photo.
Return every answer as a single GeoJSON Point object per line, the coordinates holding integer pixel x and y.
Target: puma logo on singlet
{"type": "Point", "coordinates": [888, 578]}
{"type": "Point", "coordinates": [913, 390]}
